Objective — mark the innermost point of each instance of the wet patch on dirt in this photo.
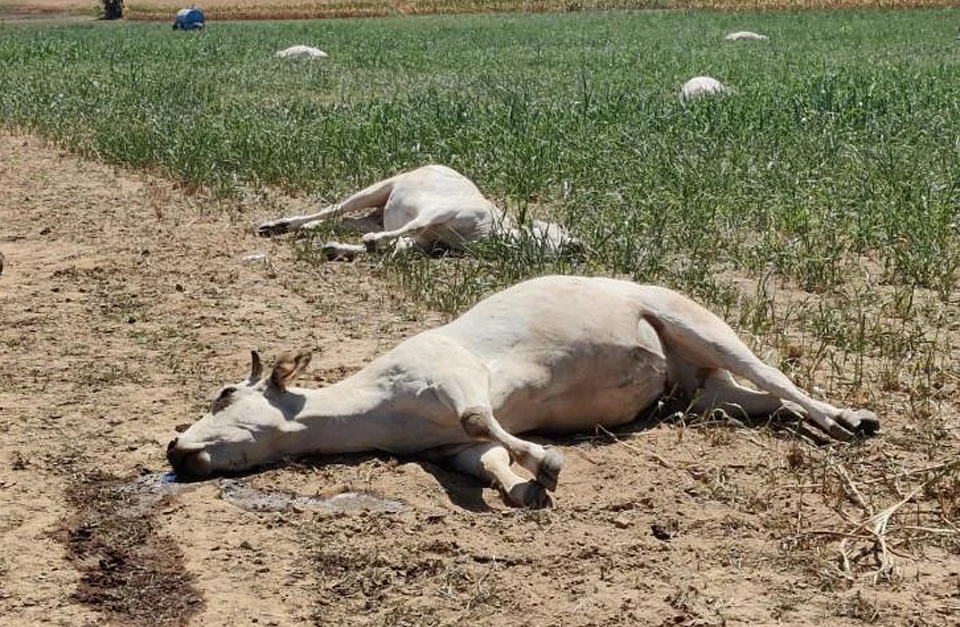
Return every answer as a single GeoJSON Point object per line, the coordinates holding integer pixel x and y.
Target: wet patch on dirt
{"type": "Point", "coordinates": [129, 571]}
{"type": "Point", "coordinates": [252, 499]}
{"type": "Point", "coordinates": [142, 495]}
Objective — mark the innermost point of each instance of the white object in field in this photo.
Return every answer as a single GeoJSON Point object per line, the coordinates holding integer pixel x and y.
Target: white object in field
{"type": "Point", "coordinates": [745, 35]}
{"type": "Point", "coordinates": [422, 208]}
{"type": "Point", "coordinates": [701, 86]}
{"type": "Point", "coordinates": [300, 50]}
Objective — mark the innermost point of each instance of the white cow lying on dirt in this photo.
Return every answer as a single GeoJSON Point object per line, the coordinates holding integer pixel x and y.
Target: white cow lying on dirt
{"type": "Point", "coordinates": [557, 354]}
{"type": "Point", "coordinates": [432, 205]}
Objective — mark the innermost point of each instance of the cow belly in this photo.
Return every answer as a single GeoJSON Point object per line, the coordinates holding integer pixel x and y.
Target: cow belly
{"type": "Point", "coordinates": [580, 395]}
{"type": "Point", "coordinates": [397, 213]}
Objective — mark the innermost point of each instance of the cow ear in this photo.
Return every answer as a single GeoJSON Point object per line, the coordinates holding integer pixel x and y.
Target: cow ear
{"type": "Point", "coordinates": [288, 366]}
{"type": "Point", "coordinates": [256, 368]}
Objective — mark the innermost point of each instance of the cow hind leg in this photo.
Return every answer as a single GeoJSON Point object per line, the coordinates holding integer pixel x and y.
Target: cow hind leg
{"type": "Point", "coordinates": [545, 462]}
{"type": "Point", "coordinates": [720, 391]}
{"type": "Point", "coordinates": [372, 197]}
{"type": "Point", "coordinates": [490, 462]}
{"type": "Point", "coordinates": [840, 424]}
{"type": "Point", "coordinates": [703, 340]}
{"type": "Point", "coordinates": [338, 251]}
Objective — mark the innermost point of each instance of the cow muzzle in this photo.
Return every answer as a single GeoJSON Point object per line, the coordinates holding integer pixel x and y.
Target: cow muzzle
{"type": "Point", "coordinates": [188, 463]}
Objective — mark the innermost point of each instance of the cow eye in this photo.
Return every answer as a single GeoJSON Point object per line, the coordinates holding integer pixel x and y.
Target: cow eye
{"type": "Point", "coordinates": [223, 399]}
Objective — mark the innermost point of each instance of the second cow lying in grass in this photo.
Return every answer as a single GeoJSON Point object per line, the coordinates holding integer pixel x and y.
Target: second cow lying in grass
{"type": "Point", "coordinates": [424, 208]}
{"type": "Point", "coordinates": [556, 354]}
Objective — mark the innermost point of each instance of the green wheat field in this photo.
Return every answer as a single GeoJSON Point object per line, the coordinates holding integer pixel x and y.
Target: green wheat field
{"type": "Point", "coordinates": [833, 168]}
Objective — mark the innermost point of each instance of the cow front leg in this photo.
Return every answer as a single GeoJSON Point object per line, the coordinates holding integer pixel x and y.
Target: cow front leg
{"type": "Point", "coordinates": [421, 229]}
{"type": "Point", "coordinates": [545, 462]}
{"type": "Point", "coordinates": [337, 251]}
{"type": "Point", "coordinates": [290, 224]}
{"type": "Point", "coordinates": [490, 462]}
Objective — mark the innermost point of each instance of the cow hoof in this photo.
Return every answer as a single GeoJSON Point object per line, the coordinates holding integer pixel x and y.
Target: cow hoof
{"type": "Point", "coordinates": [336, 252]}
{"type": "Point", "coordinates": [529, 494]}
{"type": "Point", "coordinates": [548, 473]}
{"type": "Point", "coordinates": [274, 227]}
{"type": "Point", "coordinates": [370, 242]}
{"type": "Point", "coordinates": [329, 252]}
{"type": "Point", "coordinates": [838, 431]}
{"type": "Point", "coordinates": [860, 421]}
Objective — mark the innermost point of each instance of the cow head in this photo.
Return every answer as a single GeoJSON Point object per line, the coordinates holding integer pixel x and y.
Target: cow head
{"type": "Point", "coordinates": [247, 424]}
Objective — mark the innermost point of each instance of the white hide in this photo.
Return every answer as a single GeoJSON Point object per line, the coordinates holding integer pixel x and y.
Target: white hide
{"type": "Point", "coordinates": [301, 51]}
{"type": "Point", "coordinates": [701, 86]}
{"type": "Point", "coordinates": [745, 35]}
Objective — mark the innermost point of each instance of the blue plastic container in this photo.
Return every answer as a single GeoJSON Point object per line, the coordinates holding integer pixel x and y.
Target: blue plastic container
{"type": "Point", "coordinates": [188, 19]}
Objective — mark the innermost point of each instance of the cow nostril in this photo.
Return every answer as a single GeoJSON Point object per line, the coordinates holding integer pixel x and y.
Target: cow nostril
{"type": "Point", "coordinates": [189, 465]}
{"type": "Point", "coordinates": [175, 455]}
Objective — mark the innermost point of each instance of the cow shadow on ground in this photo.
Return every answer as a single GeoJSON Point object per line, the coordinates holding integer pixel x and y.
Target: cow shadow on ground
{"type": "Point", "coordinates": [467, 492]}
{"type": "Point", "coordinates": [462, 490]}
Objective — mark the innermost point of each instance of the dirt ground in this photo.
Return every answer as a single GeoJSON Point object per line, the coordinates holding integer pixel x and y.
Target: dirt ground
{"type": "Point", "coordinates": [47, 11]}
{"type": "Point", "coordinates": [125, 303]}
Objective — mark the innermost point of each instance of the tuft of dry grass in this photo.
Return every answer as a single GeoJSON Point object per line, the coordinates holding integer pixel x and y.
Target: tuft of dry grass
{"type": "Point", "coordinates": [888, 514]}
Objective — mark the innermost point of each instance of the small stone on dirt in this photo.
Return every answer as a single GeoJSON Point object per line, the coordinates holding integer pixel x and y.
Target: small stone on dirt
{"type": "Point", "coordinates": [665, 530]}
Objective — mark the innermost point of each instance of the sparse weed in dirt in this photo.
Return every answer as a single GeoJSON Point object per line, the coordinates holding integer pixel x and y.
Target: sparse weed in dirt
{"type": "Point", "coordinates": [860, 608]}
{"type": "Point", "coordinates": [888, 517]}
{"type": "Point", "coordinates": [376, 583]}
{"type": "Point", "coordinates": [18, 461]}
